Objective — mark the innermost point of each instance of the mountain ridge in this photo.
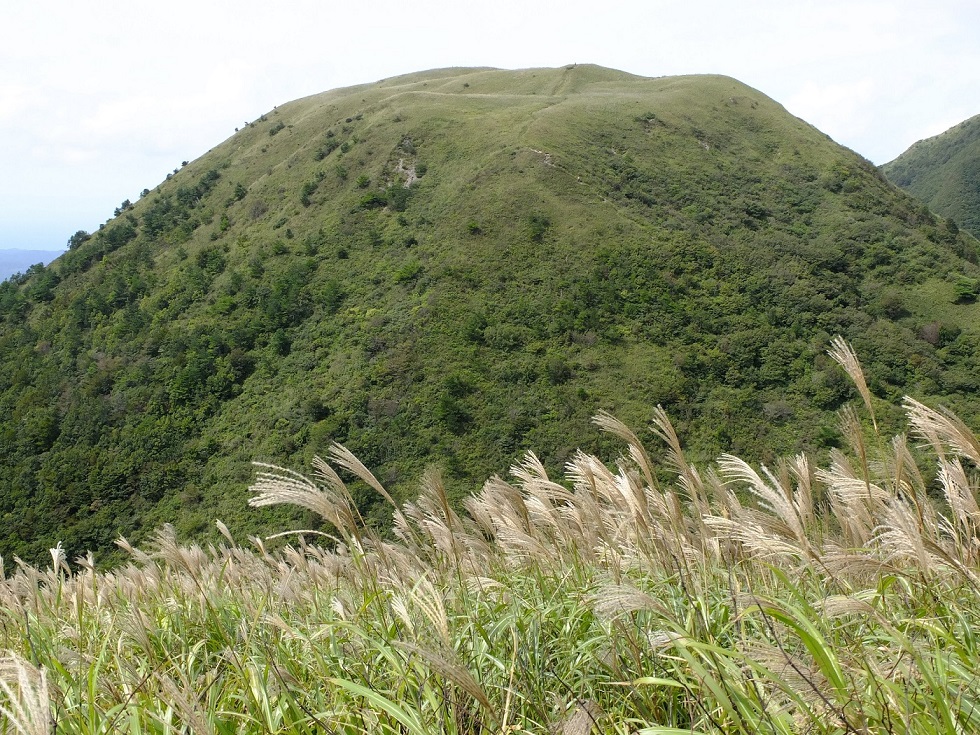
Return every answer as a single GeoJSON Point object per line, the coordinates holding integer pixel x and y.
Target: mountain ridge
{"type": "Point", "coordinates": [944, 172]}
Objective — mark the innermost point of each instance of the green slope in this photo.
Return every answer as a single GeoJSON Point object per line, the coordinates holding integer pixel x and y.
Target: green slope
{"type": "Point", "coordinates": [571, 240]}
{"type": "Point", "coordinates": [944, 172]}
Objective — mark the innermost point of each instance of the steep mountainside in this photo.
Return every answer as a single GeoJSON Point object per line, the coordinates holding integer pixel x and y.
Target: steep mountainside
{"type": "Point", "coordinates": [944, 172]}
{"type": "Point", "coordinates": [446, 268]}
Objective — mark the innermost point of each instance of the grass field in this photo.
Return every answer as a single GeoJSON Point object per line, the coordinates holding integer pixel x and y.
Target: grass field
{"type": "Point", "coordinates": [734, 599]}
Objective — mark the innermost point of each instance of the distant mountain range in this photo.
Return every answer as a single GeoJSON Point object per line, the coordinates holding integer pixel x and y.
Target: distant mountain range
{"type": "Point", "coordinates": [18, 261]}
{"type": "Point", "coordinates": [444, 269]}
{"type": "Point", "coordinates": [944, 172]}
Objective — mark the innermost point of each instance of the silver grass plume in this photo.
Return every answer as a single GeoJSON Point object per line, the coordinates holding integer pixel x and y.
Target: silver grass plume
{"type": "Point", "coordinates": [27, 708]}
{"type": "Point", "coordinates": [615, 600]}
{"type": "Point", "coordinates": [965, 522]}
{"type": "Point", "coordinates": [609, 423]}
{"type": "Point", "coordinates": [942, 427]}
{"type": "Point", "coordinates": [843, 354]}
{"type": "Point", "coordinates": [687, 473]}
{"type": "Point", "coordinates": [346, 459]}
{"type": "Point", "coordinates": [794, 510]}
{"type": "Point", "coordinates": [445, 662]}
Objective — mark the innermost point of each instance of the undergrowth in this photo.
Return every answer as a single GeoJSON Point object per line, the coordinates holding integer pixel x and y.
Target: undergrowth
{"type": "Point", "coordinates": [790, 599]}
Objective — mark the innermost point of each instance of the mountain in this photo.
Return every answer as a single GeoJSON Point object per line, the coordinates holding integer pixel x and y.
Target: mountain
{"type": "Point", "coordinates": [447, 268]}
{"type": "Point", "coordinates": [944, 172]}
{"type": "Point", "coordinates": [14, 261]}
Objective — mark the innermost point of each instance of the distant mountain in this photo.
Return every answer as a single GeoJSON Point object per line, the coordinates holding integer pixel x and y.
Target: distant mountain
{"type": "Point", "coordinates": [944, 172]}
{"type": "Point", "coordinates": [447, 268]}
{"type": "Point", "coordinates": [18, 261]}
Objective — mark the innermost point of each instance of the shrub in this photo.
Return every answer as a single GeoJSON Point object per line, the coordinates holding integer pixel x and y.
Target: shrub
{"type": "Point", "coordinates": [306, 192]}
{"type": "Point", "coordinates": [397, 197]}
{"type": "Point", "coordinates": [77, 239]}
{"type": "Point", "coordinates": [326, 149]}
{"type": "Point", "coordinates": [373, 200]}
{"type": "Point", "coordinates": [966, 290]}
{"type": "Point", "coordinates": [408, 272]}
{"type": "Point", "coordinates": [538, 225]}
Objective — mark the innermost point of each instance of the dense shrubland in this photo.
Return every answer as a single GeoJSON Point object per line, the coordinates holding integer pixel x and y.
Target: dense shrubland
{"type": "Point", "coordinates": [796, 598]}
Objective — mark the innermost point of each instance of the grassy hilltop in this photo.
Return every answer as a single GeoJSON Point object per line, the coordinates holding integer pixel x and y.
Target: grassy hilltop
{"type": "Point", "coordinates": [944, 172]}
{"type": "Point", "coordinates": [446, 268]}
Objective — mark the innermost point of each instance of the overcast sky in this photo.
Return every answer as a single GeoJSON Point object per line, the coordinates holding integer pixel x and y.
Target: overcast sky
{"type": "Point", "coordinates": [99, 99]}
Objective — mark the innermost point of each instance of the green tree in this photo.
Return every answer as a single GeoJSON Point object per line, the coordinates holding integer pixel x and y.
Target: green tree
{"type": "Point", "coordinates": [77, 239]}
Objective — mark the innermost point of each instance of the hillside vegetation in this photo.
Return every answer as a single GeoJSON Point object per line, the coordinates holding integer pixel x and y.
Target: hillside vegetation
{"type": "Point", "coordinates": [831, 599]}
{"type": "Point", "coordinates": [944, 172]}
{"type": "Point", "coordinates": [445, 268]}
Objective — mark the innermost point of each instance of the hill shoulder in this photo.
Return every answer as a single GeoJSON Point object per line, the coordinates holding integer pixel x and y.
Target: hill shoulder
{"type": "Point", "coordinates": [944, 172]}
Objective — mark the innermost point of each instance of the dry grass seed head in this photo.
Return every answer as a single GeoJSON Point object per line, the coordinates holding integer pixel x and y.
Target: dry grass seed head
{"type": "Point", "coordinates": [183, 700]}
{"type": "Point", "coordinates": [791, 671]}
{"type": "Point", "coordinates": [138, 556]}
{"type": "Point", "coordinates": [962, 502]}
{"type": "Point", "coordinates": [445, 662]}
{"type": "Point", "coordinates": [901, 537]}
{"type": "Point", "coordinates": [843, 354]}
{"type": "Point", "coordinates": [615, 600]}
{"type": "Point", "coordinates": [855, 503]}
{"type": "Point", "coordinates": [609, 423]}
{"type": "Point", "coordinates": [346, 459]}
{"type": "Point", "coordinates": [859, 567]}
{"type": "Point", "coordinates": [755, 539]}
{"type": "Point", "coordinates": [281, 486]}
{"type": "Point", "coordinates": [902, 470]}
{"type": "Point", "coordinates": [689, 477]}
{"type": "Point", "coordinates": [27, 705]}
{"type": "Point", "coordinates": [485, 586]}
{"type": "Point", "coordinates": [223, 530]}
{"type": "Point", "coordinates": [551, 511]}
{"type": "Point", "coordinates": [836, 606]}
{"type": "Point", "coordinates": [189, 559]}
{"type": "Point", "coordinates": [597, 495]}
{"type": "Point", "coordinates": [771, 496]}
{"type": "Point", "coordinates": [502, 514]}
{"type": "Point", "coordinates": [429, 602]}
{"type": "Point", "coordinates": [485, 507]}
{"type": "Point", "coordinates": [944, 427]}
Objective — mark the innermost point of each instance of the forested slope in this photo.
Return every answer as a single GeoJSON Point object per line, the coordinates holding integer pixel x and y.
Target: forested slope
{"type": "Point", "coordinates": [447, 268]}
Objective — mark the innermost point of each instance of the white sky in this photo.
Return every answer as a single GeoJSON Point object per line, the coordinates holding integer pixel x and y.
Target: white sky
{"type": "Point", "coordinates": [101, 98]}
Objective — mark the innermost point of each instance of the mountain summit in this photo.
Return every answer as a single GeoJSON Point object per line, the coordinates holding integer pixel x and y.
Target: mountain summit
{"type": "Point", "coordinates": [444, 269]}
